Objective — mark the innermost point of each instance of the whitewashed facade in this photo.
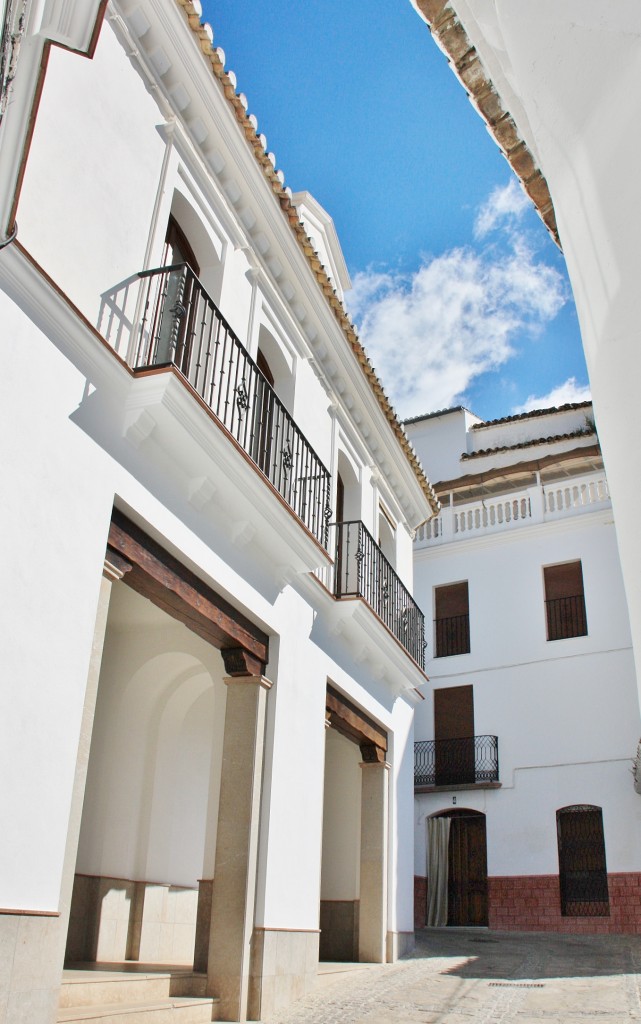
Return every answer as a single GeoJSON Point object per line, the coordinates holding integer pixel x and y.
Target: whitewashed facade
{"type": "Point", "coordinates": [208, 686]}
{"type": "Point", "coordinates": [532, 656]}
{"type": "Point", "coordinates": [560, 88]}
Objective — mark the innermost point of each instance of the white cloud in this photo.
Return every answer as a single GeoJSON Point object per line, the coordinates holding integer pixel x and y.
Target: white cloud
{"type": "Point", "coordinates": [565, 393]}
{"type": "Point", "coordinates": [502, 209]}
{"type": "Point", "coordinates": [429, 334]}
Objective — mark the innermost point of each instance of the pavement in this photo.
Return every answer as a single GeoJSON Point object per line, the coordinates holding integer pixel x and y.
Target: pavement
{"type": "Point", "coordinates": [474, 976]}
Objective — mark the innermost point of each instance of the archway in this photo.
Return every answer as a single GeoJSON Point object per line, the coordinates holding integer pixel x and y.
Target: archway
{"type": "Point", "coordinates": [464, 877]}
{"type": "Point", "coordinates": [353, 909]}
{"type": "Point", "coordinates": [148, 829]}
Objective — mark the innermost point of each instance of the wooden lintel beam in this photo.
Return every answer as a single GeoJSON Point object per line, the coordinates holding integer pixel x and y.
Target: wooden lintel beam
{"type": "Point", "coordinates": [444, 486]}
{"type": "Point", "coordinates": [349, 720]}
{"type": "Point", "coordinates": [158, 576]}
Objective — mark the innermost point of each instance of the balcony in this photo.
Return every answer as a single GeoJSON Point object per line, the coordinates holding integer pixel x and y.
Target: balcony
{"type": "Point", "coordinates": [538, 504]}
{"type": "Point", "coordinates": [472, 760]}
{"type": "Point", "coordinates": [452, 636]}
{"type": "Point", "coordinates": [180, 326]}
{"type": "Point", "coordinates": [566, 617]}
{"type": "Point", "coordinates": [362, 570]}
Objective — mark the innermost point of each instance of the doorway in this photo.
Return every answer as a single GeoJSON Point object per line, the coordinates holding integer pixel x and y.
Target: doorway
{"type": "Point", "coordinates": [466, 868]}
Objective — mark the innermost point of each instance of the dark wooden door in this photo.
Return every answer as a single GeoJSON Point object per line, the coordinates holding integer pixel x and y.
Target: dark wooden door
{"type": "Point", "coordinates": [454, 735]}
{"type": "Point", "coordinates": [178, 321]}
{"type": "Point", "coordinates": [467, 881]}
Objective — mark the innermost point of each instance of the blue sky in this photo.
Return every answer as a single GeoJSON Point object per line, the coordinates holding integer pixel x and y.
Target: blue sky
{"type": "Point", "coordinates": [459, 294]}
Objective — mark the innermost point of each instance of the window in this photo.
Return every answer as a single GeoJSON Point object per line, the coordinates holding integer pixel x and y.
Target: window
{"type": "Point", "coordinates": [583, 875]}
{"type": "Point", "coordinates": [452, 620]}
{"type": "Point", "coordinates": [564, 601]}
{"type": "Point", "coordinates": [454, 735]}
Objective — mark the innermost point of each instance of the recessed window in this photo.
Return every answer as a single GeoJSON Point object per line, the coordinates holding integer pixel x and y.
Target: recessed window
{"type": "Point", "coordinates": [583, 876]}
{"type": "Point", "coordinates": [564, 601]}
{"type": "Point", "coordinates": [452, 620]}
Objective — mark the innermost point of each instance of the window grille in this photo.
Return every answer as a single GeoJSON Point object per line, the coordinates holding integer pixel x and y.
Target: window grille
{"type": "Point", "coordinates": [583, 874]}
{"type": "Point", "coordinates": [564, 601]}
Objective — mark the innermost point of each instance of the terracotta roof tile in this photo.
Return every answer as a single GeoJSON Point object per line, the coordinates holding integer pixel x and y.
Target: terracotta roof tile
{"type": "Point", "coordinates": [585, 432]}
{"type": "Point", "coordinates": [452, 38]}
{"type": "Point", "coordinates": [568, 407]}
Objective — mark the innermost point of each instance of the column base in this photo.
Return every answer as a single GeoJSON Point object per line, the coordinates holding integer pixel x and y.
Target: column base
{"type": "Point", "coordinates": [399, 944]}
{"type": "Point", "coordinates": [284, 966]}
{"type": "Point", "coordinates": [30, 967]}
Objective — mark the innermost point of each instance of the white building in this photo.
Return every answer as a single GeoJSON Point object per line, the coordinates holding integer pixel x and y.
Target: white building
{"type": "Point", "coordinates": [187, 413]}
{"type": "Point", "coordinates": [559, 85]}
{"type": "Point", "coordinates": [523, 758]}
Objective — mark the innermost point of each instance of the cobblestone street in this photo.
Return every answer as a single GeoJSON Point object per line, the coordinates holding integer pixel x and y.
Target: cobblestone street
{"type": "Point", "coordinates": [478, 977]}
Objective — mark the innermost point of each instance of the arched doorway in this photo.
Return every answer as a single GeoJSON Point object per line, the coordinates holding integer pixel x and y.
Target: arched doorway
{"type": "Point", "coordinates": [457, 868]}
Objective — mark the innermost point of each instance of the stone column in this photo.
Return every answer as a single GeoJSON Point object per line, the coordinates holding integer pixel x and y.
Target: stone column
{"type": "Point", "coordinates": [372, 932]}
{"type": "Point", "coordinates": [234, 886]}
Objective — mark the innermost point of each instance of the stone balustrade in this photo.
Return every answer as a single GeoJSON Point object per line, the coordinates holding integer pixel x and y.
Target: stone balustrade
{"type": "Point", "coordinates": [538, 504]}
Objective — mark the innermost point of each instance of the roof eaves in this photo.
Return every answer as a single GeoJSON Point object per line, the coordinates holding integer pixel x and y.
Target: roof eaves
{"type": "Point", "coordinates": [466, 64]}
{"type": "Point", "coordinates": [284, 196]}
{"type": "Point", "coordinates": [435, 414]}
{"type": "Point", "coordinates": [585, 432]}
{"type": "Point", "coordinates": [532, 414]}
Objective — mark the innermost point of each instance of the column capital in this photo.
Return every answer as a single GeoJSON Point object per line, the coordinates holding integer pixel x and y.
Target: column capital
{"type": "Point", "coordinates": [114, 567]}
{"type": "Point", "coordinates": [372, 753]}
{"type": "Point", "coordinates": [260, 680]}
{"type": "Point", "coordinates": [240, 662]}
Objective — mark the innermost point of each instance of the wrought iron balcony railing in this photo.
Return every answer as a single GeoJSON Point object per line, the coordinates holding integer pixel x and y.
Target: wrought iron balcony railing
{"type": "Point", "coordinates": [182, 326]}
{"type": "Point", "coordinates": [452, 636]}
{"type": "Point", "coordinates": [471, 760]}
{"type": "Point", "coordinates": [566, 617]}
{"type": "Point", "coordinates": [362, 570]}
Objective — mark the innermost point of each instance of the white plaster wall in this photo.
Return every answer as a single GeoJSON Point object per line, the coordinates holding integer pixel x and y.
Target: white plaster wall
{"type": "Point", "coordinates": [400, 903]}
{"type": "Point", "coordinates": [96, 155]}
{"type": "Point", "coordinates": [506, 593]}
{"type": "Point", "coordinates": [521, 817]}
{"type": "Point", "coordinates": [565, 712]}
{"type": "Point", "coordinates": [340, 875]}
{"type": "Point", "coordinates": [57, 519]}
{"type": "Point", "coordinates": [574, 71]}
{"type": "Point", "coordinates": [156, 748]}
{"type": "Point", "coordinates": [289, 873]}
{"type": "Point", "coordinates": [440, 441]}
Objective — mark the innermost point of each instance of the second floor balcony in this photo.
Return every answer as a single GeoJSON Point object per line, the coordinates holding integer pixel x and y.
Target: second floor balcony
{"type": "Point", "coordinates": [180, 326]}
{"type": "Point", "coordinates": [362, 570]}
{"type": "Point", "coordinates": [470, 760]}
{"type": "Point", "coordinates": [538, 504]}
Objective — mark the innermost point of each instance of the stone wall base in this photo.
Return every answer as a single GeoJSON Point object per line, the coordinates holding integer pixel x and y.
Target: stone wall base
{"type": "Point", "coordinates": [399, 944]}
{"type": "Point", "coordinates": [120, 919]}
{"type": "Point", "coordinates": [284, 966]}
{"type": "Point", "coordinates": [420, 901]}
{"type": "Point", "coordinates": [532, 903]}
{"type": "Point", "coordinates": [339, 930]}
{"type": "Point", "coordinates": [30, 967]}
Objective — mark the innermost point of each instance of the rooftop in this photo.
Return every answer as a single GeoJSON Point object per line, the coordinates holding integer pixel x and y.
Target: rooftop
{"type": "Point", "coordinates": [568, 407]}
